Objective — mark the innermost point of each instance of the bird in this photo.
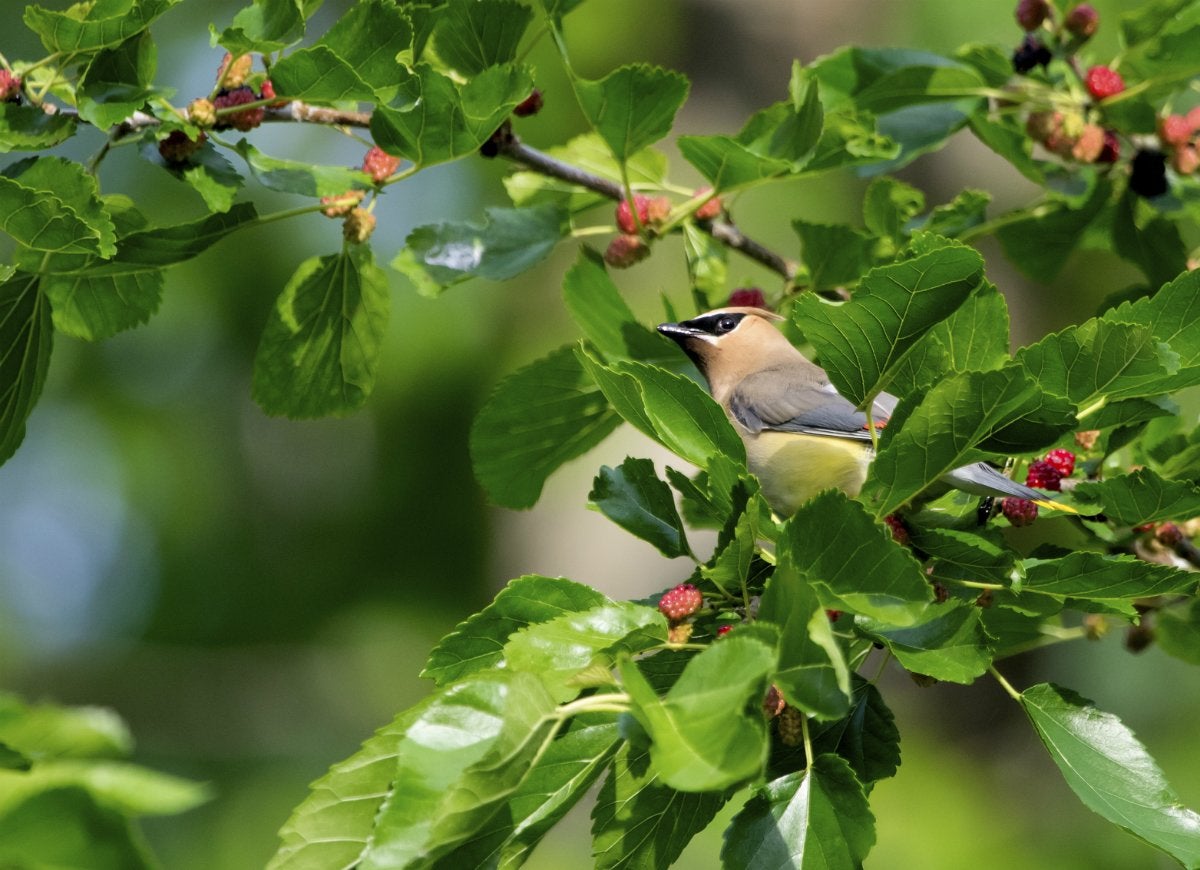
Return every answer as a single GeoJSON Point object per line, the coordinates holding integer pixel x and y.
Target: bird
{"type": "Point", "coordinates": [802, 436]}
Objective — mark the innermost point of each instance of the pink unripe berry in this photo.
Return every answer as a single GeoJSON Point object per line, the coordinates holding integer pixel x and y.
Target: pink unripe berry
{"type": "Point", "coordinates": [1031, 13]}
{"type": "Point", "coordinates": [625, 220]}
{"type": "Point", "coordinates": [1019, 511]}
{"type": "Point", "coordinates": [378, 164]}
{"type": "Point", "coordinates": [341, 204]}
{"type": "Point", "coordinates": [625, 250]}
{"type": "Point", "coordinates": [10, 87]}
{"type": "Point", "coordinates": [531, 105]}
{"type": "Point", "coordinates": [710, 209]}
{"type": "Point", "coordinates": [1082, 21]}
{"type": "Point", "coordinates": [1090, 144]}
{"type": "Point", "coordinates": [1174, 130]}
{"type": "Point", "coordinates": [747, 297]}
{"type": "Point", "coordinates": [1186, 159]}
{"type": "Point", "coordinates": [1103, 82]}
{"type": "Point", "coordinates": [680, 602]}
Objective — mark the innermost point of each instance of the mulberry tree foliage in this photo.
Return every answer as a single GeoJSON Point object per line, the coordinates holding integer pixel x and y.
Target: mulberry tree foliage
{"type": "Point", "coordinates": [752, 677]}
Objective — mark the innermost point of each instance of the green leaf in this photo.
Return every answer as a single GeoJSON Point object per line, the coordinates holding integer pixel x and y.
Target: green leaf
{"type": "Point", "coordinates": [853, 563]}
{"type": "Point", "coordinates": [318, 75]}
{"type": "Point", "coordinates": [964, 212]}
{"type": "Point", "coordinates": [320, 347]}
{"type": "Point", "coordinates": [812, 673]}
{"type": "Point", "coordinates": [295, 176]}
{"type": "Point", "coordinates": [1141, 497]}
{"type": "Point", "coordinates": [1149, 241]}
{"type": "Point", "coordinates": [981, 554]}
{"type": "Point", "coordinates": [264, 26]}
{"type": "Point", "coordinates": [835, 255]}
{"type": "Point", "coordinates": [28, 128]}
{"type": "Point", "coordinates": [926, 438]}
{"type": "Point", "coordinates": [508, 242]}
{"type": "Point", "coordinates": [537, 419]}
{"type": "Point", "coordinates": [1115, 581]}
{"type": "Point", "coordinates": [118, 81]}
{"type": "Point", "coordinates": [25, 338]}
{"type": "Point", "coordinates": [948, 643]}
{"type": "Point", "coordinates": [165, 246]}
{"type": "Point", "coordinates": [10, 759]}
{"type": "Point", "coordinates": [560, 650]}
{"type": "Point", "coordinates": [976, 334]}
{"type": "Point", "coordinates": [1173, 316]}
{"type": "Point", "coordinates": [463, 757]}
{"type": "Point", "coordinates": [779, 140]}
{"type": "Point", "coordinates": [851, 138]}
{"type": "Point", "coordinates": [472, 35]}
{"type": "Point", "coordinates": [207, 172]}
{"type": "Point", "coordinates": [635, 498]}
{"type": "Point", "coordinates": [333, 826]}
{"type": "Point", "coordinates": [887, 79]}
{"type": "Point", "coordinates": [64, 827]}
{"type": "Point", "coordinates": [1006, 136]}
{"type": "Point", "coordinates": [888, 206]}
{"type": "Point", "coordinates": [707, 733]}
{"type": "Point", "coordinates": [128, 789]}
{"type": "Point", "coordinates": [568, 768]}
{"type": "Point", "coordinates": [1148, 20]}
{"type": "Point", "coordinates": [861, 342]}
{"type": "Point", "coordinates": [817, 819]}
{"type": "Point", "coordinates": [478, 642]}
{"type": "Point", "coordinates": [638, 822]}
{"type": "Point", "coordinates": [436, 120]}
{"type": "Point", "coordinates": [633, 106]}
{"type": "Point", "coordinates": [1177, 631]}
{"type": "Point", "coordinates": [604, 318]}
{"type": "Point", "coordinates": [671, 409]}
{"type": "Point", "coordinates": [46, 731]}
{"type": "Point", "coordinates": [1111, 772]}
{"type": "Point", "coordinates": [1099, 359]}
{"type": "Point", "coordinates": [87, 27]}
{"type": "Point", "coordinates": [1040, 242]}
{"type": "Point", "coordinates": [368, 37]}
{"type": "Point", "coordinates": [707, 261]}
{"type": "Point", "coordinates": [866, 737]}
{"type": "Point", "coordinates": [51, 204]}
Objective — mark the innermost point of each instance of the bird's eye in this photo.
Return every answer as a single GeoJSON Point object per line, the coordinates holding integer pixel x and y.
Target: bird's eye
{"type": "Point", "coordinates": [726, 324]}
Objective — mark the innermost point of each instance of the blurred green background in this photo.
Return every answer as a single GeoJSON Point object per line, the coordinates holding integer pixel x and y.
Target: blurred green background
{"type": "Point", "coordinates": [256, 596]}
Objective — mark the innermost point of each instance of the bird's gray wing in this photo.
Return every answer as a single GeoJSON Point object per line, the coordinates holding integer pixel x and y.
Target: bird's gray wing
{"type": "Point", "coordinates": [785, 401]}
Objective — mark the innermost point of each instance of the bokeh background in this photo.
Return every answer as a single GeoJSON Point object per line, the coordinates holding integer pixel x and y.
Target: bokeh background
{"type": "Point", "coordinates": [255, 596]}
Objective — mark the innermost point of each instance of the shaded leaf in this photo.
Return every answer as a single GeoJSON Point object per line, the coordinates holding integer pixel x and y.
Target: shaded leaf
{"type": "Point", "coordinates": [633, 106]}
{"type": "Point", "coordinates": [318, 75]}
{"type": "Point", "coordinates": [28, 128]}
{"type": "Point", "coordinates": [472, 35]}
{"type": "Point", "coordinates": [603, 316]}
{"type": "Point", "coordinates": [295, 176]}
{"type": "Point", "coordinates": [91, 27]}
{"type": "Point", "coordinates": [867, 737]}
{"type": "Point", "coordinates": [118, 81]}
{"type": "Point", "coordinates": [264, 26]}
{"type": "Point", "coordinates": [25, 338]}
{"type": "Point", "coordinates": [635, 498]}
{"type": "Point", "coordinates": [948, 643]}
{"type": "Point", "coordinates": [1141, 497]}
{"type": "Point", "coordinates": [1115, 581]}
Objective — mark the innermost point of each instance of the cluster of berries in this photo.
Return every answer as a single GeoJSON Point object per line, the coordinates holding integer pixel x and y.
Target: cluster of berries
{"type": "Point", "coordinates": [1045, 473]}
{"type": "Point", "coordinates": [10, 87]}
{"type": "Point", "coordinates": [1178, 135]}
{"type": "Point", "coordinates": [1078, 26]}
{"type": "Point", "coordinates": [359, 223]}
{"type": "Point", "coordinates": [648, 213]}
{"type": "Point", "coordinates": [221, 112]}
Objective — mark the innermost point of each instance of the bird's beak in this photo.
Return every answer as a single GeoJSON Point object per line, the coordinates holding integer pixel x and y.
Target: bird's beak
{"type": "Point", "coordinates": [678, 332]}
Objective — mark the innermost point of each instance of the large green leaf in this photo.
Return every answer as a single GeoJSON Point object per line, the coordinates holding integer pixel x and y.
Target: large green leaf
{"type": "Point", "coordinates": [563, 774]}
{"type": "Point", "coordinates": [670, 408]}
{"type": "Point", "coordinates": [603, 316]}
{"type": "Point", "coordinates": [948, 643]}
{"type": "Point", "coordinates": [206, 171]}
{"type": "Point", "coordinates": [706, 735]}
{"type": "Point", "coordinates": [1040, 240]}
{"type": "Point", "coordinates": [1111, 772]}
{"type": "Point", "coordinates": [861, 342]}
{"type": "Point", "coordinates": [778, 140]}
{"type": "Point", "coordinates": [368, 37]}
{"type": "Point", "coordinates": [317, 74]}
{"type": "Point", "coordinates": [937, 433]}
{"type": "Point", "coordinates": [1141, 497]}
{"type": "Point", "coordinates": [852, 562]}
{"type": "Point", "coordinates": [65, 827]}
{"type": "Point", "coordinates": [478, 642]}
{"type": "Point", "coordinates": [538, 418]}
{"type": "Point", "coordinates": [1173, 316]}
{"type": "Point", "coordinates": [560, 650]}
{"type": "Point", "coordinates": [634, 497]}
{"type": "Point", "coordinates": [129, 789]}
{"type": "Point", "coordinates": [87, 27]}
{"type": "Point", "coordinates": [296, 176]}
{"type": "Point", "coordinates": [320, 348]}
{"type": "Point", "coordinates": [264, 26]}
{"type": "Point", "coordinates": [52, 205]}
{"type": "Point", "coordinates": [633, 106]}
{"type": "Point", "coordinates": [334, 824]}
{"type": "Point", "coordinates": [834, 254]}
{"type": "Point", "coordinates": [508, 242]}
{"type": "Point", "coordinates": [28, 128]}
{"type": "Point", "coordinates": [1115, 581]}
{"type": "Point", "coordinates": [165, 246]}
{"type": "Point", "coordinates": [816, 819]}
{"type": "Point", "coordinates": [639, 822]}
{"type": "Point", "coordinates": [118, 81]}
{"type": "Point", "coordinates": [866, 737]}
{"type": "Point", "coordinates": [462, 758]}
{"type": "Point", "coordinates": [26, 331]}
{"type": "Point", "coordinates": [435, 119]}
{"type": "Point", "coordinates": [472, 35]}
{"type": "Point", "coordinates": [812, 672]}
{"type": "Point", "coordinates": [44, 731]}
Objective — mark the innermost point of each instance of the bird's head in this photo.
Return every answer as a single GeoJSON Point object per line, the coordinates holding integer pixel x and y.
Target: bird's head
{"type": "Point", "coordinates": [727, 343]}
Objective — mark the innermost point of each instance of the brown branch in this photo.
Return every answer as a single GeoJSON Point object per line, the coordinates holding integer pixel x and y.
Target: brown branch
{"type": "Point", "coordinates": [509, 145]}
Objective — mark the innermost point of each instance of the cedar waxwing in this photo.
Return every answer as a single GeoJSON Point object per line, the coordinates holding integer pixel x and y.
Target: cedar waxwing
{"type": "Point", "coordinates": [801, 434]}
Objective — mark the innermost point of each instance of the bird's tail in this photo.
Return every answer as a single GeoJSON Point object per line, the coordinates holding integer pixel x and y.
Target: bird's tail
{"type": "Point", "coordinates": [979, 478]}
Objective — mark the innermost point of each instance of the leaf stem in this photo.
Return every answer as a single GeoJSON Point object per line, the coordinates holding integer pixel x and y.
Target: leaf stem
{"type": "Point", "coordinates": [611, 702]}
{"type": "Point", "coordinates": [808, 748]}
{"type": "Point", "coordinates": [1005, 684]}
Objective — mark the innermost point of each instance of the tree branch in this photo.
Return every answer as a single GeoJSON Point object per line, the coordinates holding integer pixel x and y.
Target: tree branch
{"type": "Point", "coordinates": [509, 145]}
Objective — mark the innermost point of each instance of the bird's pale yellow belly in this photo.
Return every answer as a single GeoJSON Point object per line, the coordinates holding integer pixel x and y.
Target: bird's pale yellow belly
{"type": "Point", "coordinates": [792, 468]}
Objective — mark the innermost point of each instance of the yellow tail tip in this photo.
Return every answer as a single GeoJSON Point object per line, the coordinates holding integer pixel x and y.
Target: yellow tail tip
{"type": "Point", "coordinates": [1055, 506]}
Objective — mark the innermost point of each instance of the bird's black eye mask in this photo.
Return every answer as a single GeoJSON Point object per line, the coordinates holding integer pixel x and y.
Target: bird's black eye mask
{"type": "Point", "coordinates": [716, 323]}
